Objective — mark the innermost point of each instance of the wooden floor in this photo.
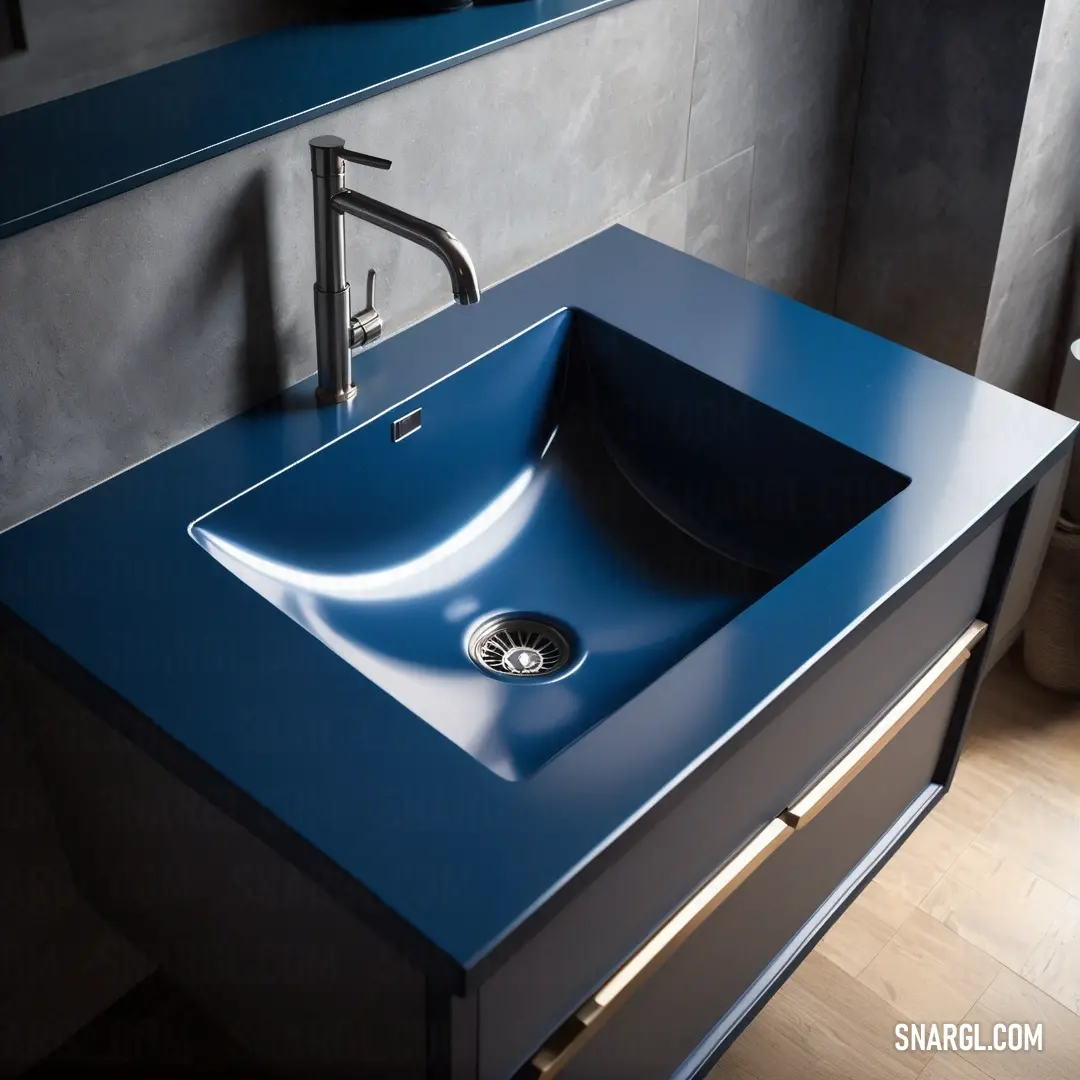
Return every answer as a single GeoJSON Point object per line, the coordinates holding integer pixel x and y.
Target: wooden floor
{"type": "Point", "coordinates": [976, 918]}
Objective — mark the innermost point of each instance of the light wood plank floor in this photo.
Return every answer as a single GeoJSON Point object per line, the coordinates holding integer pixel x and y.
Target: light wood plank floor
{"type": "Point", "coordinates": [976, 918]}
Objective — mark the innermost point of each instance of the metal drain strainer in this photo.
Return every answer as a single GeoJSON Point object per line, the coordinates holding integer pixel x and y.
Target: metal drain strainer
{"type": "Point", "coordinates": [519, 645]}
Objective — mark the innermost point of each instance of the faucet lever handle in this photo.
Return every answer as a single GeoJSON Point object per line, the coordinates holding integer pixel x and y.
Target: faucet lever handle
{"type": "Point", "coordinates": [366, 326]}
{"type": "Point", "coordinates": [364, 159]}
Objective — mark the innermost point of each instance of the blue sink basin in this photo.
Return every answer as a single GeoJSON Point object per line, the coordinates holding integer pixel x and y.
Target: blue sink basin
{"type": "Point", "coordinates": [574, 478]}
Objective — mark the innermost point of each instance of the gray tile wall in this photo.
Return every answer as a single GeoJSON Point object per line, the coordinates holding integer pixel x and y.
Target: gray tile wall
{"type": "Point", "coordinates": [140, 321]}
{"type": "Point", "coordinates": [939, 118]}
{"type": "Point", "coordinates": [718, 212]}
{"type": "Point", "coordinates": [775, 99]}
{"type": "Point", "coordinates": [808, 99]}
{"type": "Point", "coordinates": [1032, 311]}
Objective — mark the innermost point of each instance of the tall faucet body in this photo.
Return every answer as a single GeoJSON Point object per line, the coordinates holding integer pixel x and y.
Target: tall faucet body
{"type": "Point", "coordinates": [337, 330]}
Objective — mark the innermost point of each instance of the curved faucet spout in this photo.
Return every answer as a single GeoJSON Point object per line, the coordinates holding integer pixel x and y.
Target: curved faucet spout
{"type": "Point", "coordinates": [338, 329]}
{"type": "Point", "coordinates": [433, 237]}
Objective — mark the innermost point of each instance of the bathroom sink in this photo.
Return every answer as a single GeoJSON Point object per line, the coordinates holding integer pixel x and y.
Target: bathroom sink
{"type": "Point", "coordinates": [564, 519]}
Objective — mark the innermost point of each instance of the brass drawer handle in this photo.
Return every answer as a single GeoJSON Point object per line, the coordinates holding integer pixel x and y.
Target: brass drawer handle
{"type": "Point", "coordinates": [881, 734]}
{"type": "Point", "coordinates": [567, 1040]}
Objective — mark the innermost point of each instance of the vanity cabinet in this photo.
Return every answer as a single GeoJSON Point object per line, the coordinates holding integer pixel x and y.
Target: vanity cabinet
{"type": "Point", "coordinates": [728, 888]}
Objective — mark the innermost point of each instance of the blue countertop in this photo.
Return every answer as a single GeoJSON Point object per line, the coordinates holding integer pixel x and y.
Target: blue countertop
{"type": "Point", "coordinates": [81, 149]}
{"type": "Point", "coordinates": [349, 778]}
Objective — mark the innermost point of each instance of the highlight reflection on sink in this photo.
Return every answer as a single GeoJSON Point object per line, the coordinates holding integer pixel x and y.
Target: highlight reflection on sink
{"type": "Point", "coordinates": [574, 473]}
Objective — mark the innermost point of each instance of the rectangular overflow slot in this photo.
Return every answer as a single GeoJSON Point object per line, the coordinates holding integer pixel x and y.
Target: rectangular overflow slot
{"type": "Point", "coordinates": [406, 425]}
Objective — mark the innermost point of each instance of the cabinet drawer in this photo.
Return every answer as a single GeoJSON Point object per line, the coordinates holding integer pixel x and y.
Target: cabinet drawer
{"type": "Point", "coordinates": [644, 1021]}
{"type": "Point", "coordinates": [541, 983]}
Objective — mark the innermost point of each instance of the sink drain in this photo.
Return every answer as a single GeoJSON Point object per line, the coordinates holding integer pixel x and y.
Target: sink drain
{"type": "Point", "coordinates": [519, 645]}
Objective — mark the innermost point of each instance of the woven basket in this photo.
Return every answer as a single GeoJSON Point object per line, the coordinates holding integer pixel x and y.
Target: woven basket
{"type": "Point", "coordinates": [1052, 626]}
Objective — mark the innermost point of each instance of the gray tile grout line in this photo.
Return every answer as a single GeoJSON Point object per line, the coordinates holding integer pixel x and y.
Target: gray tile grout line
{"type": "Point", "coordinates": [693, 80]}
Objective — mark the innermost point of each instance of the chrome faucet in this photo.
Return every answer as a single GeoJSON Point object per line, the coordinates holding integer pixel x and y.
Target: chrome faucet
{"type": "Point", "coordinates": [337, 330]}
